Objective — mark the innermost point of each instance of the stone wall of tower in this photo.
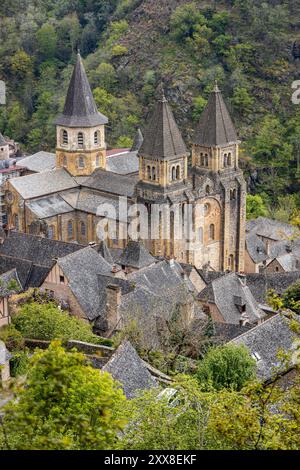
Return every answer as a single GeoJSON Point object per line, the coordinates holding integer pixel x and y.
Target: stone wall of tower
{"type": "Point", "coordinates": [81, 159]}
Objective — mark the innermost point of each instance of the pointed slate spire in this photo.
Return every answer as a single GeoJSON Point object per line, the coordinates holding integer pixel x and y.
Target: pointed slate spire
{"type": "Point", "coordinates": [138, 141]}
{"type": "Point", "coordinates": [80, 108]}
{"type": "Point", "coordinates": [162, 138]}
{"type": "Point", "coordinates": [215, 126]}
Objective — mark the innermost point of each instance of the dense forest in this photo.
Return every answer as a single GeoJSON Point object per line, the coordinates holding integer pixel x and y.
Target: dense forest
{"type": "Point", "coordinates": [130, 47]}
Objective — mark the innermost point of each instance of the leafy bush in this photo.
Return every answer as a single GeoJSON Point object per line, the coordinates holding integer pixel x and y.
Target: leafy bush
{"type": "Point", "coordinates": [228, 366]}
{"type": "Point", "coordinates": [47, 322]}
{"type": "Point", "coordinates": [12, 338]}
{"type": "Point", "coordinates": [291, 297]}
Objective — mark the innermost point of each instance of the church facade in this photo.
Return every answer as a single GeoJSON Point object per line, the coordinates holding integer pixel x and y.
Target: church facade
{"type": "Point", "coordinates": [206, 195]}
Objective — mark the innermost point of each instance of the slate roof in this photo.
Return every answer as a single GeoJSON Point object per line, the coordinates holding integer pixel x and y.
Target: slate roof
{"type": "Point", "coordinates": [82, 270]}
{"type": "Point", "coordinates": [135, 255]}
{"type": "Point", "coordinates": [289, 262]}
{"type": "Point", "coordinates": [42, 184]}
{"type": "Point", "coordinates": [215, 126]}
{"type": "Point", "coordinates": [105, 252]}
{"type": "Point", "coordinates": [256, 247]}
{"type": "Point", "coordinates": [49, 206]}
{"type": "Point", "coordinates": [80, 108]}
{"type": "Point", "coordinates": [5, 283]}
{"type": "Point", "coordinates": [269, 228]}
{"type": "Point", "coordinates": [4, 354]}
{"type": "Point", "coordinates": [123, 164]}
{"type": "Point", "coordinates": [261, 283]}
{"type": "Point", "coordinates": [41, 161]}
{"type": "Point", "coordinates": [228, 293]}
{"type": "Point", "coordinates": [162, 138]}
{"type": "Point", "coordinates": [266, 340]}
{"type": "Point", "coordinates": [112, 183]}
{"type": "Point", "coordinates": [138, 141]}
{"type": "Point", "coordinates": [126, 367]}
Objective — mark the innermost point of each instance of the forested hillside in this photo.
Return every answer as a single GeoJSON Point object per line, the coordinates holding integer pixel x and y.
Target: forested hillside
{"type": "Point", "coordinates": [131, 46]}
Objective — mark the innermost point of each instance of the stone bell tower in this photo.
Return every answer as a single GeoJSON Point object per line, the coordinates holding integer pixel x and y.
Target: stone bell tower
{"type": "Point", "coordinates": [215, 163]}
{"type": "Point", "coordinates": [81, 146]}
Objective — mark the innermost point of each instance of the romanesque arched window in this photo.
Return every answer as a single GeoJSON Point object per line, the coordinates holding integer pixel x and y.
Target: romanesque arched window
{"type": "Point", "coordinates": [207, 189]}
{"type": "Point", "coordinates": [81, 161]}
{"type": "Point", "coordinates": [206, 160]}
{"type": "Point", "coordinates": [70, 229]}
{"type": "Point", "coordinates": [65, 137]}
{"type": "Point", "coordinates": [83, 229]}
{"type": "Point", "coordinates": [96, 138]}
{"type": "Point", "coordinates": [202, 161]}
{"type": "Point", "coordinates": [211, 232]}
{"type": "Point", "coordinates": [153, 173]}
{"type": "Point", "coordinates": [178, 172]}
{"type": "Point", "coordinates": [229, 160]}
{"type": "Point", "coordinates": [51, 232]}
{"type": "Point", "coordinates": [149, 172]}
{"type": "Point", "coordinates": [225, 163]}
{"type": "Point", "coordinates": [231, 262]}
{"type": "Point", "coordinates": [173, 173]}
{"type": "Point", "coordinates": [80, 139]}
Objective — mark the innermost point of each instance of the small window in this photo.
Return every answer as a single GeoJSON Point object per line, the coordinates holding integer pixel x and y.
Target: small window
{"type": "Point", "coordinates": [148, 172]}
{"type": "Point", "coordinates": [96, 137]}
{"type": "Point", "coordinates": [62, 279]}
{"type": "Point", "coordinates": [207, 189]}
{"type": "Point", "coordinates": [81, 163]}
{"type": "Point", "coordinates": [178, 172]}
{"type": "Point", "coordinates": [70, 229]}
{"type": "Point", "coordinates": [206, 160]}
{"type": "Point", "coordinates": [51, 232]}
{"type": "Point", "coordinates": [225, 163]}
{"type": "Point", "coordinates": [65, 137]}
{"type": "Point", "coordinates": [202, 161]}
{"type": "Point", "coordinates": [153, 173]}
{"type": "Point", "coordinates": [229, 159]}
{"type": "Point", "coordinates": [173, 173]}
{"type": "Point", "coordinates": [206, 209]}
{"type": "Point", "coordinates": [80, 139]}
{"type": "Point", "coordinates": [83, 229]}
{"type": "Point", "coordinates": [212, 232]}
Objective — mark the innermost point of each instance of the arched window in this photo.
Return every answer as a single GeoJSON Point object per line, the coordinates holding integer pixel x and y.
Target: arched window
{"type": "Point", "coordinates": [231, 262]}
{"type": "Point", "coordinates": [83, 229]}
{"type": "Point", "coordinates": [148, 172]}
{"type": "Point", "coordinates": [51, 232]}
{"type": "Point", "coordinates": [16, 222]}
{"type": "Point", "coordinates": [212, 232]}
{"type": "Point", "coordinates": [234, 194]}
{"type": "Point", "coordinates": [178, 172]}
{"type": "Point", "coordinates": [81, 163]}
{"type": "Point", "coordinates": [96, 137]}
{"type": "Point", "coordinates": [207, 189]}
{"type": "Point", "coordinates": [65, 161]}
{"type": "Point", "coordinates": [97, 161]}
{"type": "Point", "coordinates": [229, 160]}
{"type": "Point", "coordinates": [70, 229]}
{"type": "Point", "coordinates": [65, 137]}
{"type": "Point", "coordinates": [80, 139]}
{"type": "Point", "coordinates": [173, 173]}
{"type": "Point", "coordinates": [206, 160]}
{"type": "Point", "coordinates": [225, 160]}
{"type": "Point", "coordinates": [154, 173]}
{"type": "Point", "coordinates": [202, 161]}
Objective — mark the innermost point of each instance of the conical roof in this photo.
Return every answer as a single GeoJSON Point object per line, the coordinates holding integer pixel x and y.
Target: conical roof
{"type": "Point", "coordinates": [162, 138]}
{"type": "Point", "coordinates": [215, 126]}
{"type": "Point", "coordinates": [80, 108]}
{"type": "Point", "coordinates": [138, 141]}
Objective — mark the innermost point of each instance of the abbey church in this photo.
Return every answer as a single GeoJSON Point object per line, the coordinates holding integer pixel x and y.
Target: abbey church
{"type": "Point", "coordinates": [63, 203]}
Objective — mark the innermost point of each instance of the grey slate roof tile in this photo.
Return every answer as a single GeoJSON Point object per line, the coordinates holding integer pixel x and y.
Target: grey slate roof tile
{"type": "Point", "coordinates": [112, 183]}
{"type": "Point", "coordinates": [123, 164]}
{"type": "Point", "coordinates": [40, 161]}
{"type": "Point", "coordinates": [261, 283]}
{"type": "Point", "coordinates": [266, 340]}
{"type": "Point", "coordinates": [215, 127]}
{"type": "Point", "coordinates": [135, 255]}
{"type": "Point", "coordinates": [49, 206]}
{"type": "Point", "coordinates": [80, 108]}
{"type": "Point", "coordinates": [126, 367]}
{"type": "Point", "coordinates": [162, 138]}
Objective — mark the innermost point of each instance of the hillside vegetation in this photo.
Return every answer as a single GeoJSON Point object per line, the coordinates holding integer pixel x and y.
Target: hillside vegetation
{"type": "Point", "coordinates": [130, 47]}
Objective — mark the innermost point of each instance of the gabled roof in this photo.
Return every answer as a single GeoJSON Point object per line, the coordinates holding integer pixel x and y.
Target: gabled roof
{"type": "Point", "coordinates": [135, 255]}
{"type": "Point", "coordinates": [123, 163]}
{"type": "Point", "coordinates": [266, 340]}
{"type": "Point", "coordinates": [42, 184]}
{"type": "Point", "coordinates": [215, 126]}
{"type": "Point", "coordinates": [261, 283]}
{"type": "Point", "coordinates": [111, 183]}
{"type": "Point", "coordinates": [49, 206]}
{"type": "Point", "coordinates": [80, 108]}
{"type": "Point", "coordinates": [269, 228]}
{"type": "Point", "coordinates": [105, 253]}
{"type": "Point", "coordinates": [126, 367]}
{"type": "Point", "coordinates": [40, 161]}
{"type": "Point", "coordinates": [162, 138]}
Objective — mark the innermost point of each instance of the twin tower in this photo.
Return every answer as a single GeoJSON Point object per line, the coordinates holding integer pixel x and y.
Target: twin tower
{"type": "Point", "coordinates": [212, 179]}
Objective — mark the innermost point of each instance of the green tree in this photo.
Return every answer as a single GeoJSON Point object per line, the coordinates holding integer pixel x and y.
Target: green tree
{"type": "Point", "coordinates": [255, 207]}
{"type": "Point", "coordinates": [47, 41]}
{"type": "Point", "coordinates": [228, 366]}
{"type": "Point", "coordinates": [291, 297]}
{"type": "Point", "coordinates": [64, 404]}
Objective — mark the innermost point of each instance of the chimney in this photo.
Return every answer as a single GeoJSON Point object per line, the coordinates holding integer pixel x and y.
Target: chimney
{"type": "Point", "coordinates": [113, 302]}
{"type": "Point", "coordinates": [242, 277]}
